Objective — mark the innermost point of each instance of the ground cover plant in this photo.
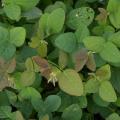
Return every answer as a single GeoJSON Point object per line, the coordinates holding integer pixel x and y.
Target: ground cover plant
{"type": "Point", "coordinates": [60, 60]}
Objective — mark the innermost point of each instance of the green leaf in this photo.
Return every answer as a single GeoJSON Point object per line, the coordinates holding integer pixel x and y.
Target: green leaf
{"type": "Point", "coordinates": [24, 4]}
{"type": "Point", "coordinates": [17, 116]}
{"type": "Point", "coordinates": [92, 86]}
{"type": "Point", "coordinates": [94, 43]}
{"type": "Point", "coordinates": [63, 59]}
{"type": "Point", "coordinates": [110, 53]}
{"type": "Point", "coordinates": [99, 101]}
{"type": "Point", "coordinates": [17, 36]}
{"type": "Point", "coordinates": [65, 101]}
{"type": "Point", "coordinates": [29, 93]}
{"type": "Point", "coordinates": [11, 96]}
{"type": "Point", "coordinates": [115, 79]}
{"type": "Point", "coordinates": [4, 99]}
{"type": "Point", "coordinates": [29, 65]}
{"type": "Point", "coordinates": [27, 78]}
{"type": "Point", "coordinates": [115, 38]}
{"type": "Point", "coordinates": [56, 5]}
{"type": "Point", "coordinates": [7, 50]}
{"type": "Point", "coordinates": [117, 103]}
{"type": "Point", "coordinates": [13, 11]}
{"type": "Point", "coordinates": [66, 42]}
{"type": "Point", "coordinates": [107, 92]}
{"type": "Point", "coordinates": [46, 117]}
{"type": "Point", "coordinates": [4, 35]}
{"type": "Point", "coordinates": [73, 112]}
{"type": "Point", "coordinates": [5, 112]}
{"type": "Point", "coordinates": [113, 116]}
{"type": "Point", "coordinates": [55, 21]}
{"type": "Point", "coordinates": [43, 25]}
{"type": "Point", "coordinates": [113, 6]}
{"type": "Point", "coordinates": [104, 73]}
{"type": "Point", "coordinates": [82, 101]}
{"type": "Point", "coordinates": [34, 13]}
{"type": "Point", "coordinates": [80, 16]}
{"type": "Point", "coordinates": [70, 82]}
{"type": "Point", "coordinates": [81, 33]}
{"type": "Point", "coordinates": [99, 61]}
{"type": "Point", "coordinates": [52, 103]}
{"type": "Point", "coordinates": [42, 49]}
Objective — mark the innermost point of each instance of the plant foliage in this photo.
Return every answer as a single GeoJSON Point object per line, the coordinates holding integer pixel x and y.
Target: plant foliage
{"type": "Point", "coordinates": [60, 60]}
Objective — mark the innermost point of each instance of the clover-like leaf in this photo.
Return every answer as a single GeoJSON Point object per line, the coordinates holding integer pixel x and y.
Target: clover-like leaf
{"type": "Point", "coordinates": [113, 116]}
{"type": "Point", "coordinates": [113, 6]}
{"type": "Point", "coordinates": [13, 11]}
{"type": "Point", "coordinates": [55, 21]}
{"type": "Point", "coordinates": [7, 50]}
{"type": "Point", "coordinates": [110, 53]}
{"type": "Point", "coordinates": [52, 103]}
{"type": "Point", "coordinates": [107, 92]}
{"type": "Point", "coordinates": [44, 66]}
{"type": "Point", "coordinates": [70, 82]}
{"type": "Point", "coordinates": [80, 58]}
{"type": "Point", "coordinates": [72, 112]}
{"type": "Point", "coordinates": [29, 93]}
{"type": "Point", "coordinates": [27, 78]}
{"type": "Point", "coordinates": [94, 43]}
{"type": "Point", "coordinates": [17, 115]}
{"type": "Point", "coordinates": [24, 4]}
{"type": "Point", "coordinates": [80, 16]}
{"type": "Point", "coordinates": [104, 73]}
{"type": "Point", "coordinates": [91, 65]}
{"type": "Point", "coordinates": [115, 38]}
{"type": "Point", "coordinates": [99, 101]}
{"type": "Point", "coordinates": [17, 36]}
{"type": "Point", "coordinates": [66, 42]}
{"type": "Point", "coordinates": [92, 85]}
{"type": "Point", "coordinates": [81, 33]}
{"type": "Point", "coordinates": [4, 35]}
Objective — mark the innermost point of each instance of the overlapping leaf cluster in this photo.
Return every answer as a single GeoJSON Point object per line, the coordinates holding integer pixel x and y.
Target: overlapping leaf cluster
{"type": "Point", "coordinates": [60, 60]}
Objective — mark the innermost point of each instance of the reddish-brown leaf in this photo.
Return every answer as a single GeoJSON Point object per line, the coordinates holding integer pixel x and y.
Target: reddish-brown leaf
{"type": "Point", "coordinates": [11, 66]}
{"type": "Point", "coordinates": [102, 16]}
{"type": "Point", "coordinates": [91, 65]}
{"type": "Point", "coordinates": [45, 68]}
{"type": "Point", "coordinates": [80, 59]}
